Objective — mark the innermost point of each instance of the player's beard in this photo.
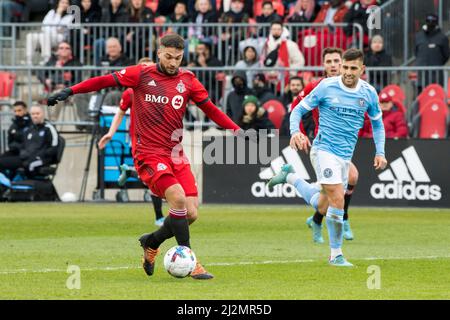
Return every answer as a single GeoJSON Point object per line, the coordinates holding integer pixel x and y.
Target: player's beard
{"type": "Point", "coordinates": [166, 71]}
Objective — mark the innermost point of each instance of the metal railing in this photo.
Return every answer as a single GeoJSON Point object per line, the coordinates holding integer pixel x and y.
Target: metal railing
{"type": "Point", "coordinates": [218, 82]}
{"type": "Point", "coordinates": [140, 40]}
{"type": "Point", "coordinates": [402, 19]}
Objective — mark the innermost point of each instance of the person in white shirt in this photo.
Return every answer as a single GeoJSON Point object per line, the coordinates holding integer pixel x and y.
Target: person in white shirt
{"type": "Point", "coordinates": [54, 30]}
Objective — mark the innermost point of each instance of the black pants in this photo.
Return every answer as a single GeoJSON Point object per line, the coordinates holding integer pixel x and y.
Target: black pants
{"type": "Point", "coordinates": [9, 163]}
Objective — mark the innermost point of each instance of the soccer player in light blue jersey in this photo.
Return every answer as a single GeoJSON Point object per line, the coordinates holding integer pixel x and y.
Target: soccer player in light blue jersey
{"type": "Point", "coordinates": [342, 103]}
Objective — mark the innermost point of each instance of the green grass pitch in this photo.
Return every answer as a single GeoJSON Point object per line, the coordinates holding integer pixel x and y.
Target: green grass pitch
{"type": "Point", "coordinates": [255, 252]}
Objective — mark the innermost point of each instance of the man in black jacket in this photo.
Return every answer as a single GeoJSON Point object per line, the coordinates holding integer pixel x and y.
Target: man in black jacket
{"type": "Point", "coordinates": [38, 149]}
{"type": "Point", "coordinates": [16, 132]}
{"type": "Point", "coordinates": [236, 97]}
{"type": "Point", "coordinates": [432, 49]}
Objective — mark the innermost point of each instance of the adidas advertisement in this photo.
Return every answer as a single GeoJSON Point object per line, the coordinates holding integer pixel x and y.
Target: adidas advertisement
{"type": "Point", "coordinates": [413, 177]}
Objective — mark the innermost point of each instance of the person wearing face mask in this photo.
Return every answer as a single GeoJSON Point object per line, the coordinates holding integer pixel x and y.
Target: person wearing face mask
{"type": "Point", "coordinates": [16, 132]}
{"type": "Point", "coordinates": [262, 91]}
{"type": "Point", "coordinates": [431, 49]}
{"type": "Point", "coordinates": [280, 51]}
{"type": "Point", "coordinates": [236, 97]}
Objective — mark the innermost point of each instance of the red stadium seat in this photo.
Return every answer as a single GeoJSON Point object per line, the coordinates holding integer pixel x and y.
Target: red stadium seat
{"type": "Point", "coordinates": [448, 91]}
{"type": "Point", "coordinates": [431, 91]}
{"type": "Point", "coordinates": [277, 5]}
{"type": "Point", "coordinates": [276, 112]}
{"type": "Point", "coordinates": [311, 43]}
{"type": "Point", "coordinates": [433, 119]}
{"type": "Point", "coordinates": [395, 92]}
{"type": "Point", "coordinates": [152, 4]}
{"type": "Point", "coordinates": [7, 80]}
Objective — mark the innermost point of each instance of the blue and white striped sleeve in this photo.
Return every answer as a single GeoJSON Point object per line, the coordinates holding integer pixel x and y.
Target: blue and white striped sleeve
{"type": "Point", "coordinates": [376, 119]}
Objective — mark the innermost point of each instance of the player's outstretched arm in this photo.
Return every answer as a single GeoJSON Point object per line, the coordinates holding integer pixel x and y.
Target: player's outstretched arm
{"type": "Point", "coordinates": [93, 84]}
{"type": "Point", "coordinates": [219, 117]}
{"type": "Point", "coordinates": [379, 138]}
{"type": "Point", "coordinates": [112, 129]}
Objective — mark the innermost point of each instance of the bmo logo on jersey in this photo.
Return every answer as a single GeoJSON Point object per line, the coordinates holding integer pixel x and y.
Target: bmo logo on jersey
{"type": "Point", "coordinates": [156, 99]}
{"type": "Point", "coordinates": [177, 102]}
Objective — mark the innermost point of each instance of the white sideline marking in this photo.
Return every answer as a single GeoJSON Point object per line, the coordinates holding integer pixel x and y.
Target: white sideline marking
{"type": "Point", "coordinates": [222, 264]}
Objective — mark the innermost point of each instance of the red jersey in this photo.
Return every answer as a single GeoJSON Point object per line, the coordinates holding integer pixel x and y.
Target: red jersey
{"type": "Point", "coordinates": [315, 112]}
{"type": "Point", "coordinates": [159, 104]}
{"type": "Point", "coordinates": [125, 103]}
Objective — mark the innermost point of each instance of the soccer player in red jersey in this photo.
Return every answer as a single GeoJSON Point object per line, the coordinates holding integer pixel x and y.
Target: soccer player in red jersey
{"type": "Point", "coordinates": [161, 93]}
{"type": "Point", "coordinates": [332, 60]}
{"type": "Point", "coordinates": [125, 104]}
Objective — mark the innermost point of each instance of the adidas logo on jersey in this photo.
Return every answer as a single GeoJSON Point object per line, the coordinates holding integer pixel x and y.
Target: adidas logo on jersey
{"type": "Point", "coordinates": [335, 100]}
{"type": "Point", "coordinates": [411, 181]}
{"type": "Point", "coordinates": [260, 190]}
{"type": "Point", "coordinates": [152, 83]}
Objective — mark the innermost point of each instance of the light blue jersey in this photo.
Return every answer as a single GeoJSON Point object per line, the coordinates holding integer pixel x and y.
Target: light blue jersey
{"type": "Point", "coordinates": [341, 115]}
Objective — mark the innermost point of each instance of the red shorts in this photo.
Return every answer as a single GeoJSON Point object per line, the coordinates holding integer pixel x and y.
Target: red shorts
{"type": "Point", "coordinates": [158, 172]}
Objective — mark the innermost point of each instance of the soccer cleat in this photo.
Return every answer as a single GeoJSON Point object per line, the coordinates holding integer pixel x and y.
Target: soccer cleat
{"type": "Point", "coordinates": [348, 234]}
{"type": "Point", "coordinates": [281, 176]}
{"type": "Point", "coordinates": [317, 232]}
{"type": "Point", "coordinates": [159, 222]}
{"type": "Point", "coordinates": [200, 273]}
{"type": "Point", "coordinates": [148, 260]}
{"type": "Point", "coordinates": [124, 175]}
{"type": "Point", "coordinates": [340, 261]}
{"type": "Point", "coordinates": [309, 221]}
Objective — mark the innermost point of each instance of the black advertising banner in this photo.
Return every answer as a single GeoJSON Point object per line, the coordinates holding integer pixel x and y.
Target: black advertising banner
{"type": "Point", "coordinates": [417, 173]}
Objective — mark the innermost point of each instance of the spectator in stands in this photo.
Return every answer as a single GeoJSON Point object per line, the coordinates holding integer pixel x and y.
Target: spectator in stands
{"type": "Point", "coordinates": [254, 116]}
{"type": "Point", "coordinates": [268, 15]}
{"type": "Point", "coordinates": [12, 10]}
{"type": "Point", "coordinates": [114, 56]}
{"type": "Point", "coordinates": [332, 12]}
{"type": "Point", "coordinates": [236, 97]}
{"type": "Point", "coordinates": [296, 86]}
{"type": "Point", "coordinates": [57, 79]}
{"type": "Point", "coordinates": [16, 132]}
{"type": "Point", "coordinates": [137, 38]}
{"type": "Point", "coordinates": [54, 30]}
{"type": "Point", "coordinates": [38, 149]}
{"type": "Point", "coordinates": [393, 119]}
{"type": "Point", "coordinates": [167, 7]}
{"type": "Point", "coordinates": [231, 36]}
{"type": "Point", "coordinates": [378, 57]}
{"type": "Point", "coordinates": [358, 13]}
{"type": "Point", "coordinates": [250, 61]}
{"type": "Point", "coordinates": [279, 51]}
{"type": "Point", "coordinates": [115, 12]}
{"type": "Point", "coordinates": [204, 59]}
{"type": "Point", "coordinates": [204, 13]}
{"type": "Point", "coordinates": [261, 89]}
{"type": "Point", "coordinates": [305, 11]}
{"type": "Point", "coordinates": [179, 15]}
{"type": "Point", "coordinates": [91, 12]}
{"type": "Point", "coordinates": [432, 49]}
{"type": "Point", "coordinates": [248, 6]}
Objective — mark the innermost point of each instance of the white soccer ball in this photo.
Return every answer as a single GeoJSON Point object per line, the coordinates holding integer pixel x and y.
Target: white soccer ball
{"type": "Point", "coordinates": [180, 261]}
{"type": "Point", "coordinates": [69, 197]}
